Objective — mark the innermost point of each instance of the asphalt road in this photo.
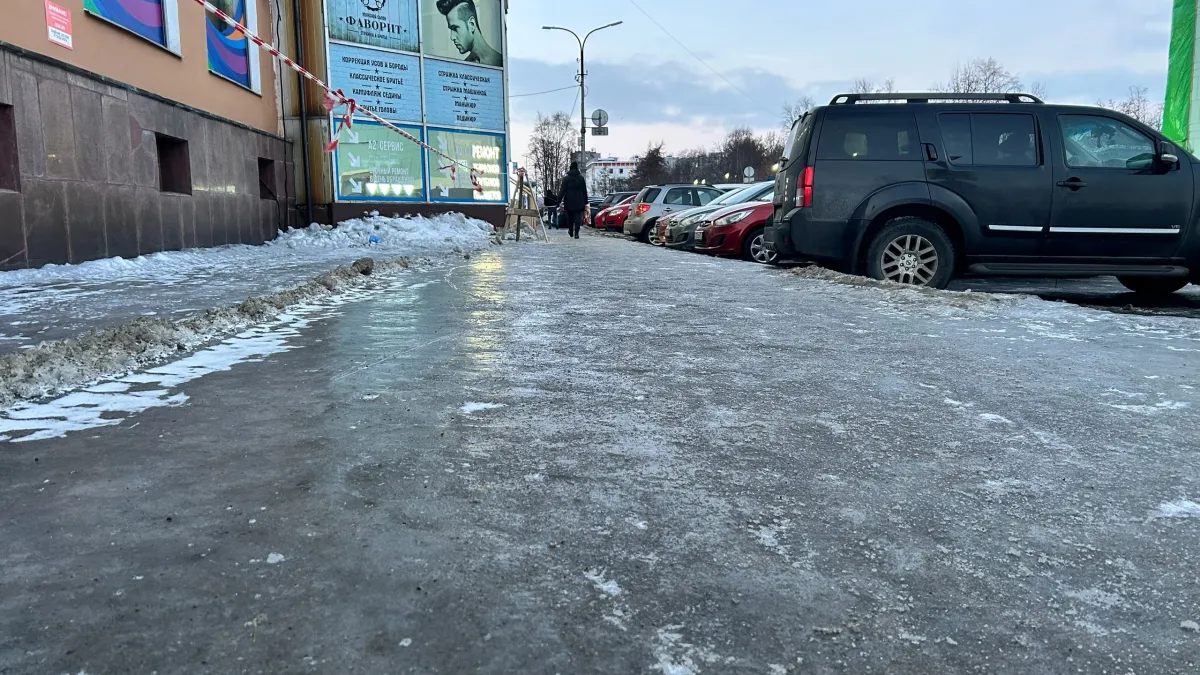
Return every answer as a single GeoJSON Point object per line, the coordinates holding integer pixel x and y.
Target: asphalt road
{"type": "Point", "coordinates": [599, 457]}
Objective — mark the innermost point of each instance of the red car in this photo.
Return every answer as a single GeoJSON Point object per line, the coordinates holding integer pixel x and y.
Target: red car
{"type": "Point", "coordinates": [736, 231]}
{"type": "Point", "coordinates": [614, 216]}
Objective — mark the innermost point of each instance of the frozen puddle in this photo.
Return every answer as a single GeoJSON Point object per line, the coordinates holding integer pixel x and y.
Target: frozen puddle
{"type": "Point", "coordinates": [475, 406]}
{"type": "Point", "coordinates": [110, 402]}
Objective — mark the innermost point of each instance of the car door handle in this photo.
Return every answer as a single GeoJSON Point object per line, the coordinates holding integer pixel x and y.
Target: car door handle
{"type": "Point", "coordinates": [1071, 184]}
{"type": "Point", "coordinates": [930, 152]}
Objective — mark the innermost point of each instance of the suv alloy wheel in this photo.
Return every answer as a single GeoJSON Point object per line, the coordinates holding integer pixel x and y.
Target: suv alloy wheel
{"type": "Point", "coordinates": [913, 251]}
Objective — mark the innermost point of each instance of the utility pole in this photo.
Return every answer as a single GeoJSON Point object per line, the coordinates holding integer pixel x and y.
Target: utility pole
{"type": "Point", "coordinates": [582, 77]}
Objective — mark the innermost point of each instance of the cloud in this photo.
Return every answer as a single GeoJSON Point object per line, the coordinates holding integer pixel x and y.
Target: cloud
{"type": "Point", "coordinates": [686, 106]}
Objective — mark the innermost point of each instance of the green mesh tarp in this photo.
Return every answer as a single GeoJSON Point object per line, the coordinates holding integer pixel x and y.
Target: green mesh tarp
{"type": "Point", "coordinates": [1181, 112]}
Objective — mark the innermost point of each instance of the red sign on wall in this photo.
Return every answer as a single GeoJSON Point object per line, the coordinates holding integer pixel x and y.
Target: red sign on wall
{"type": "Point", "coordinates": [58, 22]}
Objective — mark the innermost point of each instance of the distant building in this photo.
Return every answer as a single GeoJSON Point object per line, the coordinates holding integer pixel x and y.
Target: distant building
{"type": "Point", "coordinates": [605, 175]}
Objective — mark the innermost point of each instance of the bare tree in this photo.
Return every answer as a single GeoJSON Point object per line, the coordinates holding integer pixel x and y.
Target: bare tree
{"type": "Point", "coordinates": [1138, 106]}
{"type": "Point", "coordinates": [794, 111]}
{"type": "Point", "coordinates": [986, 76]}
{"type": "Point", "coordinates": [550, 148]}
{"type": "Point", "coordinates": [772, 144]}
{"type": "Point", "coordinates": [865, 86]}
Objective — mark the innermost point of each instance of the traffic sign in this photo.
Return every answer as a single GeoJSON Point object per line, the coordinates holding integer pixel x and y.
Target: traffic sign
{"type": "Point", "coordinates": [600, 118]}
{"type": "Point", "coordinates": [599, 131]}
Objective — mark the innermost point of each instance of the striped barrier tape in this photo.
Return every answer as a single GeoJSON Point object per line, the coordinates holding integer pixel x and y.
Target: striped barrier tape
{"type": "Point", "coordinates": [335, 99]}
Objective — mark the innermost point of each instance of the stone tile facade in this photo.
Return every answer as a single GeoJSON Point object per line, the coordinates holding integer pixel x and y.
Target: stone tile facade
{"type": "Point", "coordinates": [90, 174]}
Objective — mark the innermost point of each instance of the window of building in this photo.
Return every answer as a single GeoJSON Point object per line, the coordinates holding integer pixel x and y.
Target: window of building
{"type": "Point", "coordinates": [879, 136]}
{"type": "Point", "coordinates": [231, 55]}
{"type": "Point", "coordinates": [10, 174]}
{"type": "Point", "coordinates": [266, 179]}
{"type": "Point", "coordinates": [174, 165]}
{"type": "Point", "coordinates": [1091, 141]}
{"type": "Point", "coordinates": [154, 20]}
{"type": "Point", "coordinates": [1004, 139]}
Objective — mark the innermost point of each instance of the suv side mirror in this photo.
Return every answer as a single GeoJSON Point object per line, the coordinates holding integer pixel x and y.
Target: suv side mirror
{"type": "Point", "coordinates": [1166, 154]}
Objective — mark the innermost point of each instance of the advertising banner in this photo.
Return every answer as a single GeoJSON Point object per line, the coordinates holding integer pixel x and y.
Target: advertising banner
{"type": "Point", "coordinates": [386, 83]}
{"type": "Point", "coordinates": [391, 24]}
{"type": "Point", "coordinates": [58, 25]}
{"type": "Point", "coordinates": [374, 163]}
{"type": "Point", "coordinates": [460, 95]}
{"type": "Point", "coordinates": [143, 17]}
{"type": "Point", "coordinates": [463, 30]}
{"type": "Point", "coordinates": [482, 152]}
{"type": "Point", "coordinates": [228, 47]}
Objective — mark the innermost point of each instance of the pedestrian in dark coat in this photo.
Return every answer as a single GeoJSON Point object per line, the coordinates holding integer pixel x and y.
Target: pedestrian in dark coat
{"type": "Point", "coordinates": [551, 201]}
{"type": "Point", "coordinates": [574, 198]}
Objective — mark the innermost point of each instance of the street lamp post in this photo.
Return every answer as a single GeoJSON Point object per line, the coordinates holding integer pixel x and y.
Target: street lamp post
{"type": "Point", "coordinates": [582, 76]}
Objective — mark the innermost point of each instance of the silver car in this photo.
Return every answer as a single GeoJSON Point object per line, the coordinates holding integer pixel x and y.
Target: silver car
{"type": "Point", "coordinates": [656, 200]}
{"type": "Point", "coordinates": [683, 226]}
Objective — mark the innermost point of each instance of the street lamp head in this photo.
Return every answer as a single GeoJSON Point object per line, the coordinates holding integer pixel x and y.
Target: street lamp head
{"type": "Point", "coordinates": [551, 28]}
{"type": "Point", "coordinates": [615, 23]}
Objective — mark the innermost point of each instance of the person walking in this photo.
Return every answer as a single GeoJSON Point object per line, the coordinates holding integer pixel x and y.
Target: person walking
{"type": "Point", "coordinates": [551, 201]}
{"type": "Point", "coordinates": [574, 198]}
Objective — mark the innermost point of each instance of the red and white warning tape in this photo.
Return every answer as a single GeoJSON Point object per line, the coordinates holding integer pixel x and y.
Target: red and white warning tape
{"type": "Point", "coordinates": [335, 99]}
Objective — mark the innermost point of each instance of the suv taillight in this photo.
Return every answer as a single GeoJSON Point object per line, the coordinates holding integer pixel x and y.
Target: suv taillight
{"type": "Point", "coordinates": [642, 208]}
{"type": "Point", "coordinates": [804, 188]}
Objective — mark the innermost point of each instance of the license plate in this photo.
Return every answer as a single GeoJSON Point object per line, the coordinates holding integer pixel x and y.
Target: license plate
{"type": "Point", "coordinates": [699, 237]}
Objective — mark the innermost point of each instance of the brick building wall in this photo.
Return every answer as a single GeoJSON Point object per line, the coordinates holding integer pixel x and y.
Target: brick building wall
{"type": "Point", "coordinates": [91, 157]}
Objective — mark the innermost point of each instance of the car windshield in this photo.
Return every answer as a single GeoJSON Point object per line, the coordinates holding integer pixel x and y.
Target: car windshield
{"type": "Point", "coordinates": [735, 196]}
{"type": "Point", "coordinates": [741, 196]}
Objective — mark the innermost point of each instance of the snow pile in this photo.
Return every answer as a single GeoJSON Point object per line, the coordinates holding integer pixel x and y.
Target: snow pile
{"type": "Point", "coordinates": [447, 232]}
{"type": "Point", "coordinates": [444, 231]}
{"type": "Point", "coordinates": [55, 366]}
{"type": "Point", "coordinates": [908, 292]}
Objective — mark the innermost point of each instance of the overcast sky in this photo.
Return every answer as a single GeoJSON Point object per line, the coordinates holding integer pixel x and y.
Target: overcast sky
{"type": "Point", "coordinates": [776, 51]}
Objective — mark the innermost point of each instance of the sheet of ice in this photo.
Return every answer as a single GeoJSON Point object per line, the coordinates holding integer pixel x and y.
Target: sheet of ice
{"type": "Point", "coordinates": [1180, 508]}
{"type": "Point", "coordinates": [58, 301]}
{"type": "Point", "coordinates": [474, 407]}
{"type": "Point", "coordinates": [110, 402]}
{"type": "Point", "coordinates": [608, 587]}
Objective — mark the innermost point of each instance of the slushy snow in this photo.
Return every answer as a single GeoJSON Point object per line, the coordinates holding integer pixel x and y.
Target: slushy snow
{"type": "Point", "coordinates": [59, 301]}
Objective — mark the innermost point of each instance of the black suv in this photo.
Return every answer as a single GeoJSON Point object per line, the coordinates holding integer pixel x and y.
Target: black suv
{"type": "Point", "coordinates": [916, 188]}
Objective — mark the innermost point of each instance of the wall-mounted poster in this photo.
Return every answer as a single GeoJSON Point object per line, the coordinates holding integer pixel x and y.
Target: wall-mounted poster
{"type": "Point", "coordinates": [391, 24]}
{"type": "Point", "coordinates": [464, 30]}
{"type": "Point", "coordinates": [483, 152]}
{"type": "Point", "coordinates": [459, 95]}
{"type": "Point", "coordinates": [228, 47]}
{"type": "Point", "coordinates": [375, 164]}
{"type": "Point", "coordinates": [385, 83]}
{"type": "Point", "coordinates": [143, 17]}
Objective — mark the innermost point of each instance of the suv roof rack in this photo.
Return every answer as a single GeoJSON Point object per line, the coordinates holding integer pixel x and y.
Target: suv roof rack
{"type": "Point", "coordinates": [850, 99]}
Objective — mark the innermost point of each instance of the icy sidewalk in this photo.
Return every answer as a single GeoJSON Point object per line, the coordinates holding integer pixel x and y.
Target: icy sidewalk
{"type": "Point", "coordinates": [61, 301]}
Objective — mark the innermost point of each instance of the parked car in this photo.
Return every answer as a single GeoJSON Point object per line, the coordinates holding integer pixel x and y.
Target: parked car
{"type": "Point", "coordinates": [609, 200]}
{"type": "Point", "coordinates": [677, 229]}
{"type": "Point", "coordinates": [917, 192]}
{"type": "Point", "coordinates": [655, 200]}
{"type": "Point", "coordinates": [613, 218]}
{"type": "Point", "coordinates": [737, 231]}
